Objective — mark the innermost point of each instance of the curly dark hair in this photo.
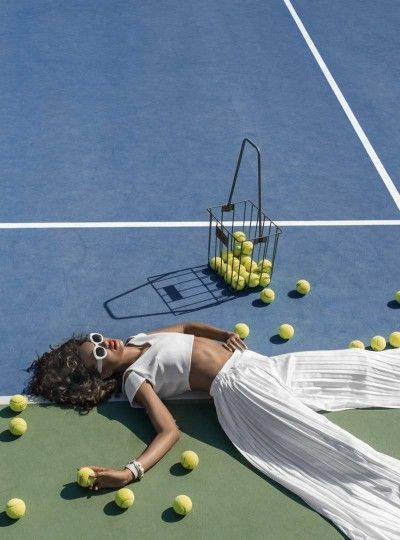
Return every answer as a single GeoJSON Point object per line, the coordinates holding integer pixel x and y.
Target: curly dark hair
{"type": "Point", "coordinates": [60, 376]}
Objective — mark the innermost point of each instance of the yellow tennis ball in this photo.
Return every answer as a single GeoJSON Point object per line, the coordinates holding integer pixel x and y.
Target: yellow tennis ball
{"type": "Point", "coordinates": [394, 339]}
{"type": "Point", "coordinates": [235, 264]}
{"type": "Point", "coordinates": [85, 476]}
{"type": "Point", "coordinates": [265, 279]}
{"type": "Point", "coordinates": [254, 280]}
{"type": "Point", "coordinates": [242, 330]}
{"type": "Point", "coordinates": [124, 498]}
{"type": "Point", "coordinates": [226, 254]}
{"type": "Point", "coordinates": [397, 297]}
{"type": "Point", "coordinates": [222, 269]}
{"type": "Point", "coordinates": [17, 426]}
{"type": "Point", "coordinates": [15, 508]}
{"type": "Point", "coordinates": [239, 236]}
{"type": "Point", "coordinates": [182, 505]}
{"type": "Point", "coordinates": [238, 283]}
{"type": "Point", "coordinates": [356, 344]}
{"type": "Point", "coordinates": [267, 296]}
{"type": "Point", "coordinates": [216, 263]}
{"type": "Point", "coordinates": [189, 459]}
{"type": "Point", "coordinates": [247, 247]}
{"type": "Point", "coordinates": [237, 251]}
{"type": "Point", "coordinates": [378, 343]}
{"type": "Point", "coordinates": [264, 265]}
{"type": "Point", "coordinates": [18, 403]}
{"type": "Point", "coordinates": [286, 331]}
{"type": "Point", "coordinates": [303, 286]}
{"type": "Point", "coordinates": [242, 271]}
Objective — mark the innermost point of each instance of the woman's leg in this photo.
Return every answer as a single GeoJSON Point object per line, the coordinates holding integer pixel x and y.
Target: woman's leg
{"type": "Point", "coordinates": [336, 474]}
{"type": "Point", "coordinates": [337, 380]}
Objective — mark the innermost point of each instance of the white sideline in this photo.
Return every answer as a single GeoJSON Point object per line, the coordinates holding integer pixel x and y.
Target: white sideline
{"type": "Point", "coordinates": [349, 113]}
{"type": "Point", "coordinates": [166, 224]}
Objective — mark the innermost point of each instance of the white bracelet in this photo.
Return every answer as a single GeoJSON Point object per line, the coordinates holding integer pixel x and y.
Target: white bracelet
{"type": "Point", "coordinates": [136, 468]}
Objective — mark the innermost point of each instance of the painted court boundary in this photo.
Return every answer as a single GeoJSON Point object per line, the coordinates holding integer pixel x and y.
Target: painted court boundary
{"type": "Point", "coordinates": [164, 224]}
{"type": "Point", "coordinates": [349, 113]}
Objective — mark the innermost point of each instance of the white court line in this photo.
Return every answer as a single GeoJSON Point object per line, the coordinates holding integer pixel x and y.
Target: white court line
{"type": "Point", "coordinates": [354, 122]}
{"type": "Point", "coordinates": [166, 224]}
{"type": "Point", "coordinates": [185, 397]}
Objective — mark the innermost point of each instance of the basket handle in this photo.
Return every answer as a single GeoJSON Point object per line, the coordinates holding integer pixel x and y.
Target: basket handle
{"type": "Point", "coordinates": [229, 206]}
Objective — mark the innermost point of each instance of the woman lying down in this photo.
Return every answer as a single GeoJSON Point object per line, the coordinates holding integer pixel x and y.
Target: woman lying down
{"type": "Point", "coordinates": [267, 406]}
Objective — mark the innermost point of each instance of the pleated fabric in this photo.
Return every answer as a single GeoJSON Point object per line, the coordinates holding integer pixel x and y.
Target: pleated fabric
{"type": "Point", "coordinates": [268, 409]}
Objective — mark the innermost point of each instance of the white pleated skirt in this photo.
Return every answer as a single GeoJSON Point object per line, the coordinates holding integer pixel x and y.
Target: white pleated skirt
{"type": "Point", "coordinates": [268, 406]}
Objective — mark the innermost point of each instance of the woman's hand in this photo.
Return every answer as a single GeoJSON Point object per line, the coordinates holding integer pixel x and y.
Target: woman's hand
{"type": "Point", "coordinates": [105, 477]}
{"type": "Point", "coordinates": [234, 342]}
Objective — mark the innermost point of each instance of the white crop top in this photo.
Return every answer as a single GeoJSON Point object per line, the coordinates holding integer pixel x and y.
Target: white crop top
{"type": "Point", "coordinates": [166, 364]}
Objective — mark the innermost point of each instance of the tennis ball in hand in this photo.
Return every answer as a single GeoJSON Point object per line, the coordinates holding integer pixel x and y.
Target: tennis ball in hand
{"type": "Point", "coordinates": [182, 505]}
{"type": "Point", "coordinates": [239, 236]}
{"type": "Point", "coordinates": [247, 247]}
{"type": "Point", "coordinates": [286, 331]}
{"type": "Point", "coordinates": [378, 343]}
{"type": "Point", "coordinates": [303, 286]}
{"type": "Point", "coordinates": [242, 330]}
{"type": "Point", "coordinates": [124, 498]}
{"type": "Point", "coordinates": [17, 426]}
{"type": "Point", "coordinates": [18, 403]}
{"type": "Point", "coordinates": [264, 265]}
{"type": "Point", "coordinates": [356, 344]}
{"type": "Point", "coordinates": [394, 339]}
{"type": "Point", "coordinates": [397, 297]}
{"type": "Point", "coordinates": [265, 279]}
{"type": "Point", "coordinates": [267, 296]}
{"type": "Point", "coordinates": [15, 508]}
{"type": "Point", "coordinates": [189, 459]}
{"type": "Point", "coordinates": [84, 478]}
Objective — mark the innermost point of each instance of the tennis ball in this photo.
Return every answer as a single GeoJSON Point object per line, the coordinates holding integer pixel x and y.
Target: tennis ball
{"type": "Point", "coordinates": [267, 296]}
{"type": "Point", "coordinates": [394, 339]}
{"type": "Point", "coordinates": [182, 505]}
{"type": "Point", "coordinates": [242, 330]}
{"type": "Point", "coordinates": [226, 254]}
{"type": "Point", "coordinates": [242, 271]}
{"type": "Point", "coordinates": [15, 508]}
{"type": "Point", "coordinates": [18, 403]}
{"type": "Point", "coordinates": [254, 280]}
{"type": "Point", "coordinates": [237, 250]}
{"type": "Point", "coordinates": [222, 269]}
{"type": "Point", "coordinates": [124, 498]}
{"type": "Point", "coordinates": [238, 283]}
{"type": "Point", "coordinates": [303, 286]}
{"type": "Point", "coordinates": [239, 236]}
{"type": "Point", "coordinates": [264, 266]}
{"type": "Point", "coordinates": [189, 459]}
{"type": "Point", "coordinates": [356, 344]}
{"type": "Point", "coordinates": [286, 331]}
{"type": "Point", "coordinates": [247, 247]}
{"type": "Point", "coordinates": [234, 264]}
{"type": "Point", "coordinates": [84, 478]}
{"type": "Point", "coordinates": [230, 276]}
{"type": "Point", "coordinates": [264, 280]}
{"type": "Point", "coordinates": [378, 343]}
{"type": "Point", "coordinates": [397, 297]}
{"type": "Point", "coordinates": [216, 263]}
{"type": "Point", "coordinates": [17, 426]}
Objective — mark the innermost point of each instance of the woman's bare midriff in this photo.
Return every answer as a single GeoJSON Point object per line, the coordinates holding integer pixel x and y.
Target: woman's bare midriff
{"type": "Point", "coordinates": [208, 358]}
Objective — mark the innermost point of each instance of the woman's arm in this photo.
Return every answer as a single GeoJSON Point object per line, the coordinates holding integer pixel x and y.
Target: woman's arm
{"type": "Point", "coordinates": [205, 330]}
{"type": "Point", "coordinates": [157, 449]}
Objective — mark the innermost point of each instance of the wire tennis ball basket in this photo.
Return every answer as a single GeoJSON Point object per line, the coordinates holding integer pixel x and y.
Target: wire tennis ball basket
{"type": "Point", "coordinates": [242, 240]}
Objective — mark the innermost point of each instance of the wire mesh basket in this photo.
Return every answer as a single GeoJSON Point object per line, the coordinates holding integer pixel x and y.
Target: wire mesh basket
{"type": "Point", "coordinates": [242, 240]}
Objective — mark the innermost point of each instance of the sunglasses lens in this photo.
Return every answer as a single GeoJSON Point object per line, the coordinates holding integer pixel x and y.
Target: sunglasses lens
{"type": "Point", "coordinates": [100, 351]}
{"type": "Point", "coordinates": [97, 338]}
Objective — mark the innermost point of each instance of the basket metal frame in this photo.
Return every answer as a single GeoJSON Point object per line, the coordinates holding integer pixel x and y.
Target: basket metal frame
{"type": "Point", "coordinates": [225, 234]}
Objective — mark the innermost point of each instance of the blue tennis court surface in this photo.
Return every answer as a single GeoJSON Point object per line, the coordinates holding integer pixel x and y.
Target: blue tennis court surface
{"type": "Point", "coordinates": [135, 112]}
